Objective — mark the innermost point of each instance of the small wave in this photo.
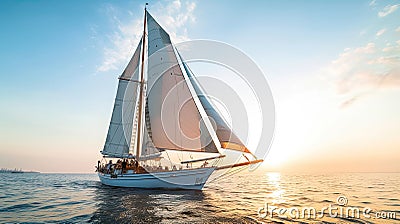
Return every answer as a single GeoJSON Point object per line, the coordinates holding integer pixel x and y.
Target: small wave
{"type": "Point", "coordinates": [70, 203]}
{"type": "Point", "coordinates": [252, 219]}
{"type": "Point", "coordinates": [18, 207]}
{"type": "Point", "coordinates": [351, 220]}
{"type": "Point", "coordinates": [190, 213]}
{"type": "Point", "coordinates": [366, 202]}
{"type": "Point", "coordinates": [326, 201]}
{"type": "Point", "coordinates": [313, 190]}
{"type": "Point", "coordinates": [77, 219]}
{"type": "Point", "coordinates": [305, 199]}
{"type": "Point", "coordinates": [283, 204]}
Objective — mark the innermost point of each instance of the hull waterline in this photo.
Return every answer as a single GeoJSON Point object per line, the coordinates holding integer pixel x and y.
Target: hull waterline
{"type": "Point", "coordinates": [181, 179]}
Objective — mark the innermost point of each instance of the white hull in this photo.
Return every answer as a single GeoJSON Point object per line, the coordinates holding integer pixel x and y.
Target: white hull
{"type": "Point", "coordinates": [180, 179]}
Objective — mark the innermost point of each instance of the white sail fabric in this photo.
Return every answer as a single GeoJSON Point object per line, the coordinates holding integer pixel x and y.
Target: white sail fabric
{"type": "Point", "coordinates": [148, 149]}
{"type": "Point", "coordinates": [226, 136]}
{"type": "Point", "coordinates": [123, 119]}
{"type": "Point", "coordinates": [131, 71]}
{"type": "Point", "coordinates": [175, 121]}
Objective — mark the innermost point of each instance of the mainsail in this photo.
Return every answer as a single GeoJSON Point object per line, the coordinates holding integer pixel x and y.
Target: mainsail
{"type": "Point", "coordinates": [174, 117]}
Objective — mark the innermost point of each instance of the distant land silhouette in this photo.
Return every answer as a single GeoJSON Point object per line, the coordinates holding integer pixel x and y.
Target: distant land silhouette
{"type": "Point", "coordinates": [5, 170]}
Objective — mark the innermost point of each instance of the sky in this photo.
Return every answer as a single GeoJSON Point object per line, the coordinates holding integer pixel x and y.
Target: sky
{"type": "Point", "coordinates": [333, 67]}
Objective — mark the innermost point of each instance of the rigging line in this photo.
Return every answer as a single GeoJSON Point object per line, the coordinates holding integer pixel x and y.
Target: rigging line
{"type": "Point", "coordinates": [215, 163]}
{"type": "Point", "coordinates": [175, 134]}
{"type": "Point", "coordinates": [245, 157]}
{"type": "Point", "coordinates": [180, 157]}
{"type": "Point", "coordinates": [135, 126]}
{"type": "Point", "coordinates": [129, 80]}
{"type": "Point", "coordinates": [232, 173]}
{"type": "Point", "coordinates": [229, 173]}
{"type": "Point", "coordinates": [169, 158]}
{"type": "Point", "coordinates": [141, 88]}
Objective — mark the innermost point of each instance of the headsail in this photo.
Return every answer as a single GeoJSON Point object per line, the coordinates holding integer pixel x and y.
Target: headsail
{"type": "Point", "coordinates": [124, 114]}
{"type": "Point", "coordinates": [226, 136]}
{"type": "Point", "coordinates": [175, 121]}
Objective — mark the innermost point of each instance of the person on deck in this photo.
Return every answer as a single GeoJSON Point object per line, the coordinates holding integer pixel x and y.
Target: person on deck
{"type": "Point", "coordinates": [136, 166]}
{"type": "Point", "coordinates": [109, 166]}
{"type": "Point", "coordinates": [204, 164]}
{"type": "Point", "coordinates": [123, 166]}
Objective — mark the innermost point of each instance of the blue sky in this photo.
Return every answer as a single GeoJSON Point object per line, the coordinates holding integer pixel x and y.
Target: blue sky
{"type": "Point", "coordinates": [60, 60]}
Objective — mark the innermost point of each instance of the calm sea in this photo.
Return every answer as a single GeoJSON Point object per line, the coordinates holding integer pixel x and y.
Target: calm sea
{"type": "Point", "coordinates": [247, 197]}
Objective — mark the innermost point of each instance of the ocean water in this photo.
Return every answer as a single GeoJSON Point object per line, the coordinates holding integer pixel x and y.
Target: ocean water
{"type": "Point", "coordinates": [247, 197]}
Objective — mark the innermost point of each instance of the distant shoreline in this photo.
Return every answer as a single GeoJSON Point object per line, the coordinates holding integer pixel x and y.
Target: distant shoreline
{"type": "Point", "coordinates": [17, 171]}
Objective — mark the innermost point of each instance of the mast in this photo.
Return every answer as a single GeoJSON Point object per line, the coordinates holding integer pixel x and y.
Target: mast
{"type": "Point", "coordinates": [139, 133]}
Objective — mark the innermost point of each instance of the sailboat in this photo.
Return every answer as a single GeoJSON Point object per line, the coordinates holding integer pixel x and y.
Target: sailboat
{"type": "Point", "coordinates": [164, 132]}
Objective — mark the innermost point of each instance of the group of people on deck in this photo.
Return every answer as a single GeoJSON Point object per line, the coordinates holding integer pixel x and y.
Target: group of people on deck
{"type": "Point", "coordinates": [120, 167]}
{"type": "Point", "coordinates": [130, 166]}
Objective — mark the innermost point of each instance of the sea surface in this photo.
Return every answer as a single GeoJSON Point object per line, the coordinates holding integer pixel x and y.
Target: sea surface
{"type": "Point", "coordinates": [247, 197]}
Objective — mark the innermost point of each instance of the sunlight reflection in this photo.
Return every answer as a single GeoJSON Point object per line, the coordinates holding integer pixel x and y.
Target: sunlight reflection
{"type": "Point", "coordinates": [274, 182]}
{"type": "Point", "coordinates": [274, 178]}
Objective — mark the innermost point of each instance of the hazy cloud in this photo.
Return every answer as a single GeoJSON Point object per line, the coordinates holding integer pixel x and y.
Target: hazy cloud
{"type": "Point", "coordinates": [348, 102]}
{"type": "Point", "coordinates": [388, 10]}
{"type": "Point", "coordinates": [175, 17]}
{"type": "Point", "coordinates": [362, 70]}
{"type": "Point", "coordinates": [380, 32]}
